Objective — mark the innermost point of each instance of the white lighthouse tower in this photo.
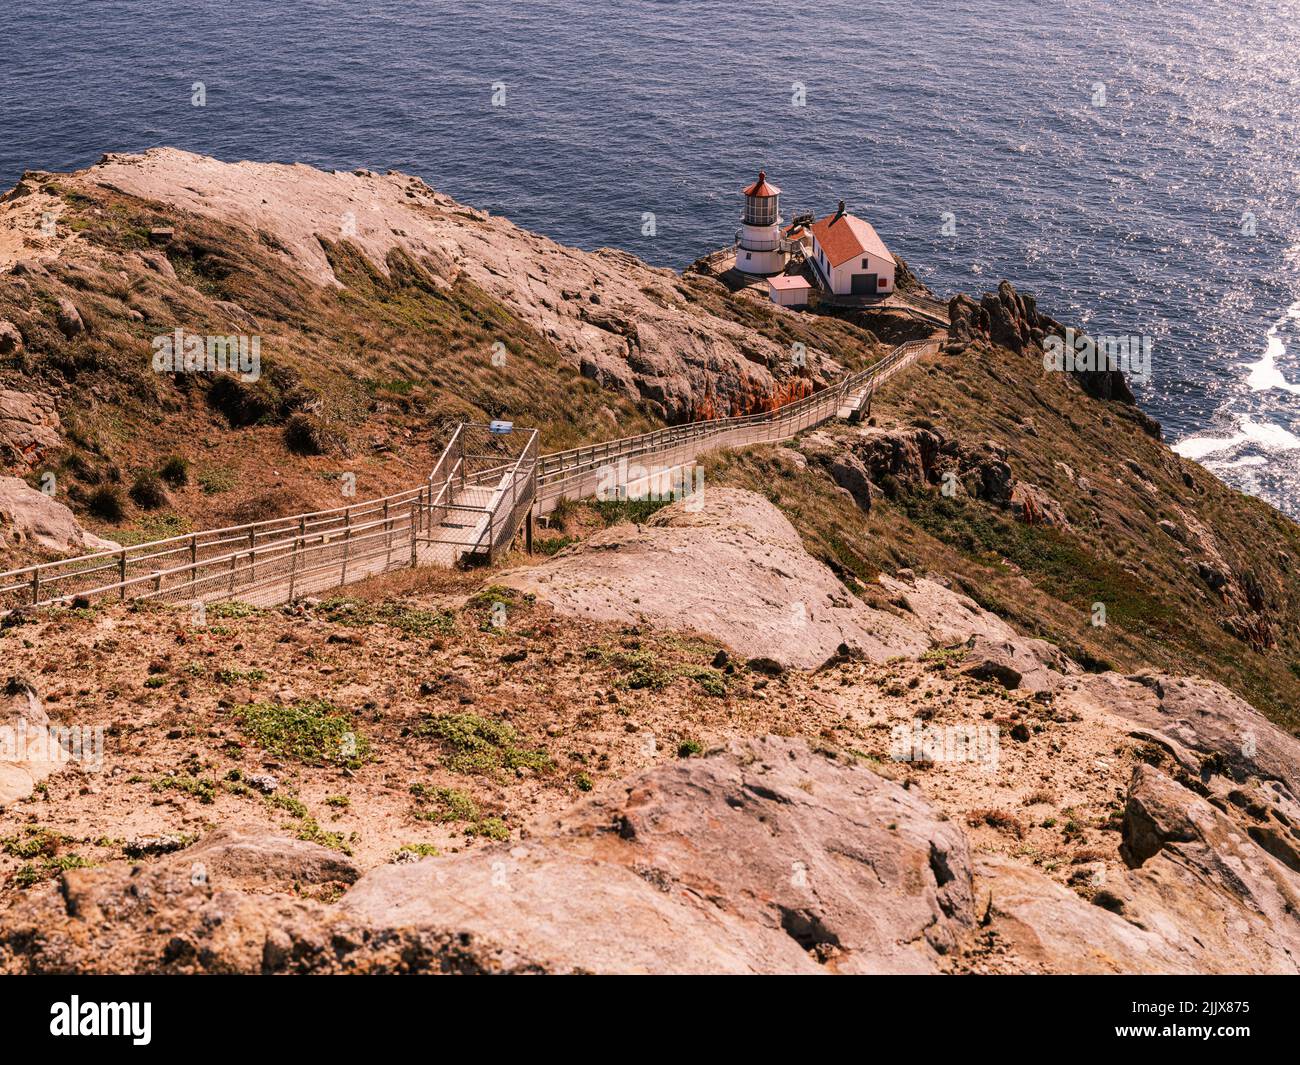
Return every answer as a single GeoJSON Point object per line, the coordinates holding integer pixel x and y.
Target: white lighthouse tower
{"type": "Point", "coordinates": [758, 240]}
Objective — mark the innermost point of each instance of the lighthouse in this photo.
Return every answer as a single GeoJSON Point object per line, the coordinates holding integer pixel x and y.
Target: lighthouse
{"type": "Point", "coordinates": [758, 240]}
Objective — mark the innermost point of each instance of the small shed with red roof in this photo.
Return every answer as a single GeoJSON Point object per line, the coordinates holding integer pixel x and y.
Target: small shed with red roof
{"type": "Point", "coordinates": [788, 290]}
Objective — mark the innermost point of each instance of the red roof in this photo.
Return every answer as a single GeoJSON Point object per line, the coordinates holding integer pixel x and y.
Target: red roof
{"type": "Point", "coordinates": [847, 236]}
{"type": "Point", "coordinates": [762, 187]}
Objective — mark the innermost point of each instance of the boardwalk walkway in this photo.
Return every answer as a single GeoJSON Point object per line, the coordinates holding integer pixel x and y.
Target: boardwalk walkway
{"type": "Point", "coordinates": [483, 488]}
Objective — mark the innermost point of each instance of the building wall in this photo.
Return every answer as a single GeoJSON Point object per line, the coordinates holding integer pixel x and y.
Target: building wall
{"type": "Point", "coordinates": [760, 262]}
{"type": "Point", "coordinates": [842, 276]}
{"type": "Point", "coordinates": [797, 297]}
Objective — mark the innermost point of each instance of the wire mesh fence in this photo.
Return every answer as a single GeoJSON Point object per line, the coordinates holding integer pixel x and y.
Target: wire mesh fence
{"type": "Point", "coordinates": [583, 471]}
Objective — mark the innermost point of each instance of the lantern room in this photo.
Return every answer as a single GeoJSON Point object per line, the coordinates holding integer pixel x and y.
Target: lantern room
{"type": "Point", "coordinates": [762, 203]}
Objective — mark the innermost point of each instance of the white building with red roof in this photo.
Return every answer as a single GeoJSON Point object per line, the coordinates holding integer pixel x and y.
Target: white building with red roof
{"type": "Point", "coordinates": [849, 257]}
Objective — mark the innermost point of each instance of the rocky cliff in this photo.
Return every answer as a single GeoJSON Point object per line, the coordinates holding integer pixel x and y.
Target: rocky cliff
{"type": "Point", "coordinates": [988, 680]}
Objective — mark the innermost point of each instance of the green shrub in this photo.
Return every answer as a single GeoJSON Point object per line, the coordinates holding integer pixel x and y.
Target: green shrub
{"type": "Point", "coordinates": [148, 492]}
{"type": "Point", "coordinates": [175, 471]}
{"type": "Point", "coordinates": [491, 828]}
{"type": "Point", "coordinates": [448, 804]}
{"type": "Point", "coordinates": [477, 745]}
{"type": "Point", "coordinates": [314, 731]}
{"type": "Point", "coordinates": [216, 479]}
{"type": "Point", "coordinates": [106, 503]}
{"type": "Point", "coordinates": [614, 511]}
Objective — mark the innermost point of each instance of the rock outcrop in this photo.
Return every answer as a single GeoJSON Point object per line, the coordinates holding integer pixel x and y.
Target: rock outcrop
{"type": "Point", "coordinates": [734, 569]}
{"type": "Point", "coordinates": [29, 426]}
{"type": "Point", "coordinates": [1209, 839]}
{"type": "Point", "coordinates": [1012, 319]}
{"type": "Point", "coordinates": [28, 516]}
{"type": "Point", "coordinates": [763, 858]}
{"type": "Point", "coordinates": [621, 322]}
{"type": "Point", "coordinates": [868, 462]}
{"type": "Point", "coordinates": [948, 617]}
{"type": "Point", "coordinates": [1016, 662]}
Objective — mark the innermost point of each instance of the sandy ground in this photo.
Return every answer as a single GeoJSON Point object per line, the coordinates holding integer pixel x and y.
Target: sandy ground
{"type": "Point", "coordinates": [564, 687]}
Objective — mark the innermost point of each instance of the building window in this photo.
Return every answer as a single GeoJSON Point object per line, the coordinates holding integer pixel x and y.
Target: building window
{"type": "Point", "coordinates": [864, 264]}
{"type": "Point", "coordinates": [747, 255]}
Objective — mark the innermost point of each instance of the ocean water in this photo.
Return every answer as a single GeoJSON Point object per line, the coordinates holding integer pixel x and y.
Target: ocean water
{"type": "Point", "coordinates": [1136, 167]}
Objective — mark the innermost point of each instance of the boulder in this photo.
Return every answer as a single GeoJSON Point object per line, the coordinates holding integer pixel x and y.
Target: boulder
{"type": "Point", "coordinates": [948, 617]}
{"type": "Point", "coordinates": [1035, 507]}
{"type": "Point", "coordinates": [1042, 927]}
{"type": "Point", "coordinates": [28, 516]}
{"type": "Point", "coordinates": [158, 262]}
{"type": "Point", "coordinates": [259, 860]}
{"type": "Point", "coordinates": [763, 858]}
{"type": "Point", "coordinates": [1016, 662]}
{"type": "Point", "coordinates": [1199, 722]}
{"type": "Point", "coordinates": [1205, 882]}
{"type": "Point", "coordinates": [68, 318]}
{"type": "Point", "coordinates": [25, 754]}
{"type": "Point", "coordinates": [1173, 530]}
{"type": "Point", "coordinates": [984, 472]}
{"type": "Point", "coordinates": [850, 474]}
{"type": "Point", "coordinates": [907, 454]}
{"type": "Point", "coordinates": [11, 340]}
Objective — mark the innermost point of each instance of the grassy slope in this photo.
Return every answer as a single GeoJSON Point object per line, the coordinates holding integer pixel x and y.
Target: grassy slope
{"type": "Point", "coordinates": [1160, 612]}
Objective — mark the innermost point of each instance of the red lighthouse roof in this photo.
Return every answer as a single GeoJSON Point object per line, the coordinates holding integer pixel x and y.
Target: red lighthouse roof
{"type": "Point", "coordinates": [762, 187]}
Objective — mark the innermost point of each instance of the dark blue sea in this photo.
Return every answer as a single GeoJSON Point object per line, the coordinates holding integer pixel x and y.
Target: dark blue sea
{"type": "Point", "coordinates": [1135, 166]}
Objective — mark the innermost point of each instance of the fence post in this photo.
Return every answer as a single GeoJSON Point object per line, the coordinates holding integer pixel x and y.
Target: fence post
{"type": "Point", "coordinates": [121, 575]}
{"type": "Point", "coordinates": [347, 545]}
{"type": "Point", "coordinates": [414, 518]}
{"type": "Point", "coordinates": [388, 538]}
{"type": "Point", "coordinates": [36, 586]}
{"type": "Point", "coordinates": [293, 568]}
